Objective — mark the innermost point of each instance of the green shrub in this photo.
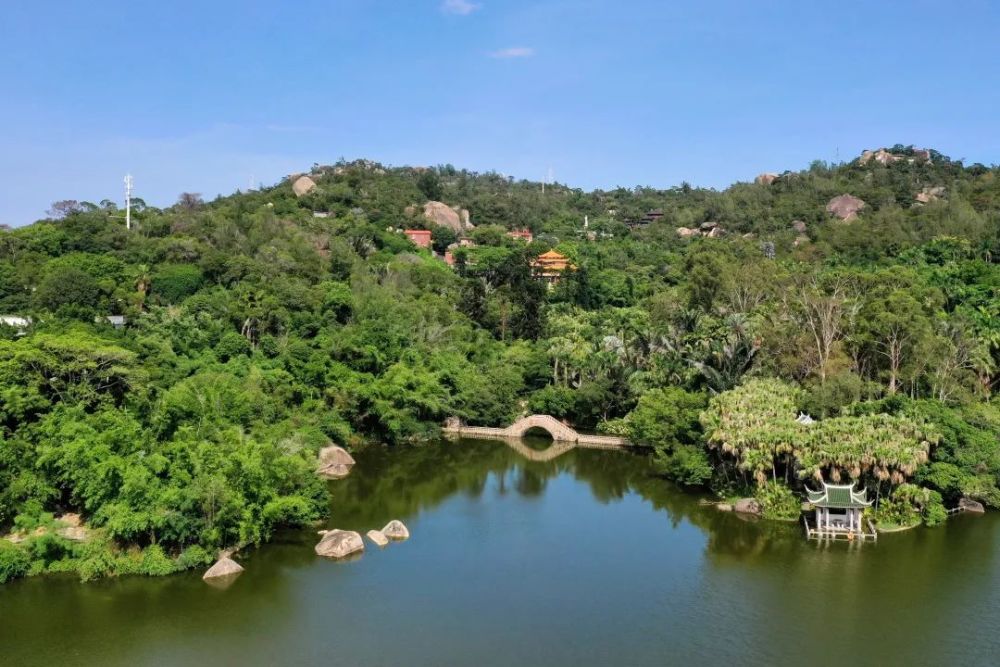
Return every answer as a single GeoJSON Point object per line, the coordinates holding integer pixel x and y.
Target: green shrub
{"type": "Point", "coordinates": [232, 345]}
{"type": "Point", "coordinates": [14, 561]}
{"type": "Point", "coordinates": [686, 464]}
{"type": "Point", "coordinates": [172, 282]}
{"type": "Point", "coordinates": [193, 556]}
{"type": "Point", "coordinates": [156, 563]}
{"type": "Point", "coordinates": [777, 502]}
{"type": "Point", "coordinates": [910, 504]}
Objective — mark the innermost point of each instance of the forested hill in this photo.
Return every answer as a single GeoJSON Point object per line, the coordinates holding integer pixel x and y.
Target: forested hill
{"type": "Point", "coordinates": [260, 326]}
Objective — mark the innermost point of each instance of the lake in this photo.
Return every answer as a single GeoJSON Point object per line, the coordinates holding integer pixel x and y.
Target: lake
{"type": "Point", "coordinates": [587, 559]}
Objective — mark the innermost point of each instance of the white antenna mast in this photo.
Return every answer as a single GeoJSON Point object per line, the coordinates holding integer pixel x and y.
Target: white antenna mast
{"type": "Point", "coordinates": [547, 180]}
{"type": "Point", "coordinates": [128, 201]}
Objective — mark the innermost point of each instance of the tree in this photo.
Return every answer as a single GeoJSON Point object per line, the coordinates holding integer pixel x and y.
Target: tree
{"type": "Point", "coordinates": [442, 237]}
{"type": "Point", "coordinates": [430, 185]}
{"type": "Point", "coordinates": [823, 311]}
{"type": "Point", "coordinates": [173, 282]}
{"type": "Point", "coordinates": [189, 201]}
{"type": "Point", "coordinates": [68, 286]}
{"type": "Point", "coordinates": [668, 421]}
{"type": "Point", "coordinates": [894, 323]}
{"type": "Point", "coordinates": [64, 208]}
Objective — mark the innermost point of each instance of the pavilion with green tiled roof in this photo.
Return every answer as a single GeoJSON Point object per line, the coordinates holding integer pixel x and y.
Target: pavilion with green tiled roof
{"type": "Point", "coordinates": [838, 508]}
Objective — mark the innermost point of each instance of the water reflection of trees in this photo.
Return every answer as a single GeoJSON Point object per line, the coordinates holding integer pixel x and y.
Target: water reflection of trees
{"type": "Point", "coordinates": [403, 482]}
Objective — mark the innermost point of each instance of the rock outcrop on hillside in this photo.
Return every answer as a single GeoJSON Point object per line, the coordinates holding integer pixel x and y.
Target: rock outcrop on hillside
{"type": "Point", "coordinates": [443, 215]}
{"type": "Point", "coordinates": [711, 230]}
{"type": "Point", "coordinates": [929, 194]}
{"type": "Point", "coordinates": [765, 179]}
{"type": "Point", "coordinates": [303, 185]}
{"type": "Point", "coordinates": [845, 207]}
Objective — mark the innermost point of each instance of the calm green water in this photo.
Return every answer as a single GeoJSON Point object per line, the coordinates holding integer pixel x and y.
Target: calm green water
{"type": "Point", "coordinates": [584, 560]}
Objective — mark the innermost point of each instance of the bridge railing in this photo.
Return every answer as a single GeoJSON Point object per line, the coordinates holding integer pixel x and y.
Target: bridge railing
{"type": "Point", "coordinates": [560, 432]}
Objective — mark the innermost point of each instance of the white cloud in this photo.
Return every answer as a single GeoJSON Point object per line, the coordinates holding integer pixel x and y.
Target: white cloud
{"type": "Point", "coordinates": [514, 52]}
{"type": "Point", "coordinates": [460, 7]}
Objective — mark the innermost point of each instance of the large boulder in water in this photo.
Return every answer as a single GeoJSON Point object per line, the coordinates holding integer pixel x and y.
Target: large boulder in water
{"type": "Point", "coordinates": [334, 462]}
{"type": "Point", "coordinates": [339, 543]}
{"type": "Point", "coordinates": [396, 530]}
{"type": "Point", "coordinates": [224, 567]}
{"type": "Point", "coordinates": [378, 537]}
{"type": "Point", "coordinates": [970, 505]}
{"type": "Point", "coordinates": [747, 506]}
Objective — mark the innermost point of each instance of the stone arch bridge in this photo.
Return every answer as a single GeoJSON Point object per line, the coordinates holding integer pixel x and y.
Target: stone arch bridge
{"type": "Point", "coordinates": [560, 432]}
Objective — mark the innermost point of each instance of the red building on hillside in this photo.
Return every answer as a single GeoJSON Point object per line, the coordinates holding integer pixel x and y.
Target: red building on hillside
{"type": "Point", "coordinates": [523, 234]}
{"type": "Point", "coordinates": [420, 237]}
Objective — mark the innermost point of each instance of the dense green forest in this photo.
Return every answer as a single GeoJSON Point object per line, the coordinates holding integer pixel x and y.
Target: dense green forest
{"type": "Point", "coordinates": [261, 326]}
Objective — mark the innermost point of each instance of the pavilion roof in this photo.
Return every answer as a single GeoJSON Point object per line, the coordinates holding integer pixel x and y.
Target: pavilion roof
{"type": "Point", "coordinates": [838, 496]}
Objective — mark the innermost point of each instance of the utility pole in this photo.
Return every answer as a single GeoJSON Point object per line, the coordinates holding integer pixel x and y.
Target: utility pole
{"type": "Point", "coordinates": [128, 201]}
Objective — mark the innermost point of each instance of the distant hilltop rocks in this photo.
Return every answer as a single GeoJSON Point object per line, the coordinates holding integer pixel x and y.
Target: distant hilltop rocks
{"type": "Point", "coordinates": [884, 157]}
{"type": "Point", "coordinates": [846, 207]}
{"type": "Point", "coordinates": [711, 230]}
{"type": "Point", "coordinates": [766, 178]}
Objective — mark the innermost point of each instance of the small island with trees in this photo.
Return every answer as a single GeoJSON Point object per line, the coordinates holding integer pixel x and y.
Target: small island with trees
{"type": "Point", "coordinates": [165, 389]}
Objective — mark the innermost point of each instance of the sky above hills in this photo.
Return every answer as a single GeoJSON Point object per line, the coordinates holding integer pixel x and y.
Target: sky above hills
{"type": "Point", "coordinates": [211, 96]}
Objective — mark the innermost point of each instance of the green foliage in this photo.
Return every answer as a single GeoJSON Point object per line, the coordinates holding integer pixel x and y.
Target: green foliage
{"type": "Point", "coordinates": [910, 504]}
{"type": "Point", "coordinates": [778, 502]}
{"type": "Point", "coordinates": [756, 424]}
{"type": "Point", "coordinates": [256, 332]}
{"type": "Point", "coordinates": [232, 345]}
{"type": "Point", "coordinates": [667, 421]}
{"type": "Point", "coordinates": [14, 561]}
{"type": "Point", "coordinates": [173, 282]}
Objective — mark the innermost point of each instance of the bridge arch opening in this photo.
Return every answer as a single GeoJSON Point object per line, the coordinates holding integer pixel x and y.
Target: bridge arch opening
{"type": "Point", "coordinates": [537, 438]}
{"type": "Point", "coordinates": [537, 432]}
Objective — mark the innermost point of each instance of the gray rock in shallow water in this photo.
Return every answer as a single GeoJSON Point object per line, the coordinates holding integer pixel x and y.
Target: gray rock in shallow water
{"type": "Point", "coordinates": [747, 506]}
{"type": "Point", "coordinates": [224, 567]}
{"type": "Point", "coordinates": [378, 537]}
{"type": "Point", "coordinates": [973, 506]}
{"type": "Point", "coordinates": [724, 507]}
{"type": "Point", "coordinates": [395, 530]}
{"type": "Point", "coordinates": [339, 543]}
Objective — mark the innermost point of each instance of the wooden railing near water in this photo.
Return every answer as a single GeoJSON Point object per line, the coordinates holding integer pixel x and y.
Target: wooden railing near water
{"type": "Point", "coordinates": [560, 432]}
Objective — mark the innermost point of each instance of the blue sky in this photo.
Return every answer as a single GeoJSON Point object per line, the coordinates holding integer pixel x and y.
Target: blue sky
{"type": "Point", "coordinates": [200, 96]}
